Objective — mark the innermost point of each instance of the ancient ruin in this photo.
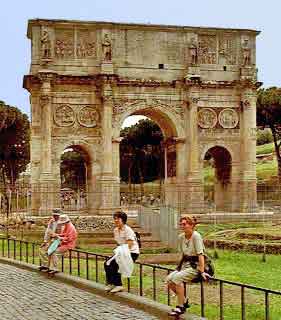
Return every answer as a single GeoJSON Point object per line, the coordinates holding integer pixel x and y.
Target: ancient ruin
{"type": "Point", "coordinates": [198, 84]}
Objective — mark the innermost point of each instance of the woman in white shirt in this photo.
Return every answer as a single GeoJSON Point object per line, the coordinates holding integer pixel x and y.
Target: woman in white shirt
{"type": "Point", "coordinates": [123, 234]}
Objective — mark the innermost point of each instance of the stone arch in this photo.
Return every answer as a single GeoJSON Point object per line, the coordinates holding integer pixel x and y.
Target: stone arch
{"type": "Point", "coordinates": [168, 118]}
{"type": "Point", "coordinates": [220, 144]}
{"type": "Point", "coordinates": [86, 146]}
{"type": "Point", "coordinates": [223, 162]}
{"type": "Point", "coordinates": [93, 167]}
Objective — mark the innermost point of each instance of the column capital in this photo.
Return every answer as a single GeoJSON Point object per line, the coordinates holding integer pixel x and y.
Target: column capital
{"type": "Point", "coordinates": [46, 75]}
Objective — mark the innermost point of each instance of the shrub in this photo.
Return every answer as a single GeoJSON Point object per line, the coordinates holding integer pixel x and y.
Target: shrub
{"type": "Point", "coordinates": [264, 136]}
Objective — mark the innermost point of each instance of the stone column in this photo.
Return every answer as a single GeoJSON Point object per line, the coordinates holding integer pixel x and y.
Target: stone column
{"type": "Point", "coordinates": [248, 150]}
{"type": "Point", "coordinates": [109, 185]}
{"type": "Point", "coordinates": [175, 188]}
{"type": "Point", "coordinates": [195, 192]}
{"type": "Point", "coordinates": [181, 158]}
{"type": "Point", "coordinates": [48, 190]}
{"type": "Point", "coordinates": [46, 116]}
{"type": "Point", "coordinates": [107, 136]}
{"type": "Point", "coordinates": [116, 157]}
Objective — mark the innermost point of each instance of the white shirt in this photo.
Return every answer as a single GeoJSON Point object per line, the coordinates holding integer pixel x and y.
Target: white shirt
{"type": "Point", "coordinates": [126, 233]}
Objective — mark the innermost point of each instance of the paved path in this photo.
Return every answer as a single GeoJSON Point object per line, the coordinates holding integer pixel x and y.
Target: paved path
{"type": "Point", "coordinates": [26, 295]}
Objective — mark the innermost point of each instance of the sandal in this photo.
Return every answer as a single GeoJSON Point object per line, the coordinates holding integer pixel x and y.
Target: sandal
{"type": "Point", "coordinates": [177, 311]}
{"type": "Point", "coordinates": [52, 271]}
{"type": "Point", "coordinates": [186, 304]}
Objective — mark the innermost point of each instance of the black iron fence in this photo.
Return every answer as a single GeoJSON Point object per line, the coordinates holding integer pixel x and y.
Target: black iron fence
{"type": "Point", "coordinates": [147, 279]}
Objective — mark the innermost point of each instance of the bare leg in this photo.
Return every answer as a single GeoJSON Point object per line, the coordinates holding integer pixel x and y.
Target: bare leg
{"type": "Point", "coordinates": [172, 286]}
{"type": "Point", "coordinates": [50, 261]}
{"type": "Point", "coordinates": [180, 294]}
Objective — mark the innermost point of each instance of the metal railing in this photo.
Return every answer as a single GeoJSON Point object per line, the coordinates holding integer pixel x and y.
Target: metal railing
{"type": "Point", "coordinates": [89, 265]}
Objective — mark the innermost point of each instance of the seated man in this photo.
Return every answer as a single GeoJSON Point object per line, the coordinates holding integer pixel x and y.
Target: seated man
{"type": "Point", "coordinates": [51, 228]}
{"type": "Point", "coordinates": [67, 237]}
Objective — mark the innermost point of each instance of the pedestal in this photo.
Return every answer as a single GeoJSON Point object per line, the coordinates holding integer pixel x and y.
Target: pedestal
{"type": "Point", "coordinates": [107, 68]}
{"type": "Point", "coordinates": [109, 196]}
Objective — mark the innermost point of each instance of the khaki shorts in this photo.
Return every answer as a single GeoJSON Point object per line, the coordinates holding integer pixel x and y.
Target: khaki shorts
{"type": "Point", "coordinates": [185, 275]}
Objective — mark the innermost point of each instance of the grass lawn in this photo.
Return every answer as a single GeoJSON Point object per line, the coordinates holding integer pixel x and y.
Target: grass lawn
{"type": "Point", "coordinates": [265, 148]}
{"type": "Point", "coordinates": [265, 170]}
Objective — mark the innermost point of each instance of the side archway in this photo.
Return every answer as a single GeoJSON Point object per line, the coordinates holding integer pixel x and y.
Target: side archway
{"type": "Point", "coordinates": [218, 162]}
{"type": "Point", "coordinates": [85, 189]}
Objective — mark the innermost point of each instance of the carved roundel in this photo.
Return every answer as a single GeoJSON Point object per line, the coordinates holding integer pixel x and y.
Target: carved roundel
{"type": "Point", "coordinates": [64, 116]}
{"type": "Point", "coordinates": [228, 118]}
{"type": "Point", "coordinates": [88, 117]}
{"type": "Point", "coordinates": [207, 118]}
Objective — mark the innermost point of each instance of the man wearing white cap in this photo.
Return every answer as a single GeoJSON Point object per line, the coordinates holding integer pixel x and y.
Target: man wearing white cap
{"type": "Point", "coordinates": [67, 237]}
{"type": "Point", "coordinates": [50, 230]}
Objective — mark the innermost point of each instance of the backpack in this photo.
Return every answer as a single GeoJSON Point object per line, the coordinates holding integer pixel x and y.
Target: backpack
{"type": "Point", "coordinates": [138, 238]}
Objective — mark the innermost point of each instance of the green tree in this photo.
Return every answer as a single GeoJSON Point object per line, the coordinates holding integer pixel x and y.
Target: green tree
{"type": "Point", "coordinates": [269, 116]}
{"type": "Point", "coordinates": [140, 152]}
{"type": "Point", "coordinates": [14, 149]}
{"type": "Point", "coordinates": [14, 141]}
{"type": "Point", "coordinates": [73, 172]}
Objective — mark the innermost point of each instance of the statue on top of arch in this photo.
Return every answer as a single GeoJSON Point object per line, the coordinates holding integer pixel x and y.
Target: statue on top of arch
{"type": "Point", "coordinates": [45, 44]}
{"type": "Point", "coordinates": [106, 48]}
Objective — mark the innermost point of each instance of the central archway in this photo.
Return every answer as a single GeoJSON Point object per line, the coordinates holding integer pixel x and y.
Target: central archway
{"type": "Point", "coordinates": [171, 127]}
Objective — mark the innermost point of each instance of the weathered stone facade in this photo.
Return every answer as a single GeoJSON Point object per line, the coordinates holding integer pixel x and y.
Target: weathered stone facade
{"type": "Point", "coordinates": [198, 84]}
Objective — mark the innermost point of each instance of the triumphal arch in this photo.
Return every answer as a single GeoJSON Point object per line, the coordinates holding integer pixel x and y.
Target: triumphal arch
{"type": "Point", "coordinates": [198, 84]}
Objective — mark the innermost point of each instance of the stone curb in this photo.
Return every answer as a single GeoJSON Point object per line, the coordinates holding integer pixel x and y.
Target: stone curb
{"type": "Point", "coordinates": [155, 308]}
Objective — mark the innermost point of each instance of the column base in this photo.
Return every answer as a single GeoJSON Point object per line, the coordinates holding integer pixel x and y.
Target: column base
{"type": "Point", "coordinates": [248, 195]}
{"type": "Point", "coordinates": [49, 191]}
{"type": "Point", "coordinates": [109, 195]}
{"type": "Point", "coordinates": [107, 68]}
{"type": "Point", "coordinates": [187, 195]}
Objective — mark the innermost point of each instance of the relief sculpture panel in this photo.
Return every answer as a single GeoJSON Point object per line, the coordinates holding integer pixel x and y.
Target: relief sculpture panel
{"type": "Point", "coordinates": [207, 49]}
{"type": "Point", "coordinates": [228, 49]}
{"type": "Point", "coordinates": [86, 44]}
{"type": "Point", "coordinates": [64, 44]}
{"type": "Point", "coordinates": [207, 118]}
{"type": "Point", "coordinates": [64, 116]}
{"type": "Point", "coordinates": [228, 118]}
{"type": "Point", "coordinates": [88, 117]}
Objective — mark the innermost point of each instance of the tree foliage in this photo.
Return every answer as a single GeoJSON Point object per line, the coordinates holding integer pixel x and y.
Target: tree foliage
{"type": "Point", "coordinates": [269, 116]}
{"type": "Point", "coordinates": [73, 172]}
{"type": "Point", "coordinates": [140, 152]}
{"type": "Point", "coordinates": [14, 141]}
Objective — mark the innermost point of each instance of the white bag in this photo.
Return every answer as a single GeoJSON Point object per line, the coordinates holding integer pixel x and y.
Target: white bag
{"type": "Point", "coordinates": [122, 255]}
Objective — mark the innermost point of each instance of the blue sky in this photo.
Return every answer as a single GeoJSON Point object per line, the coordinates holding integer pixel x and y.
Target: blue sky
{"type": "Point", "coordinates": [252, 14]}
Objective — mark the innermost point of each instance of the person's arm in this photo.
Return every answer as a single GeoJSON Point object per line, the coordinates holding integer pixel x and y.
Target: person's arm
{"type": "Point", "coordinates": [201, 263]}
{"type": "Point", "coordinates": [130, 237]}
{"type": "Point", "coordinates": [199, 249]}
{"type": "Point", "coordinates": [178, 268]}
{"type": "Point", "coordinates": [130, 243]}
{"type": "Point", "coordinates": [47, 232]}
